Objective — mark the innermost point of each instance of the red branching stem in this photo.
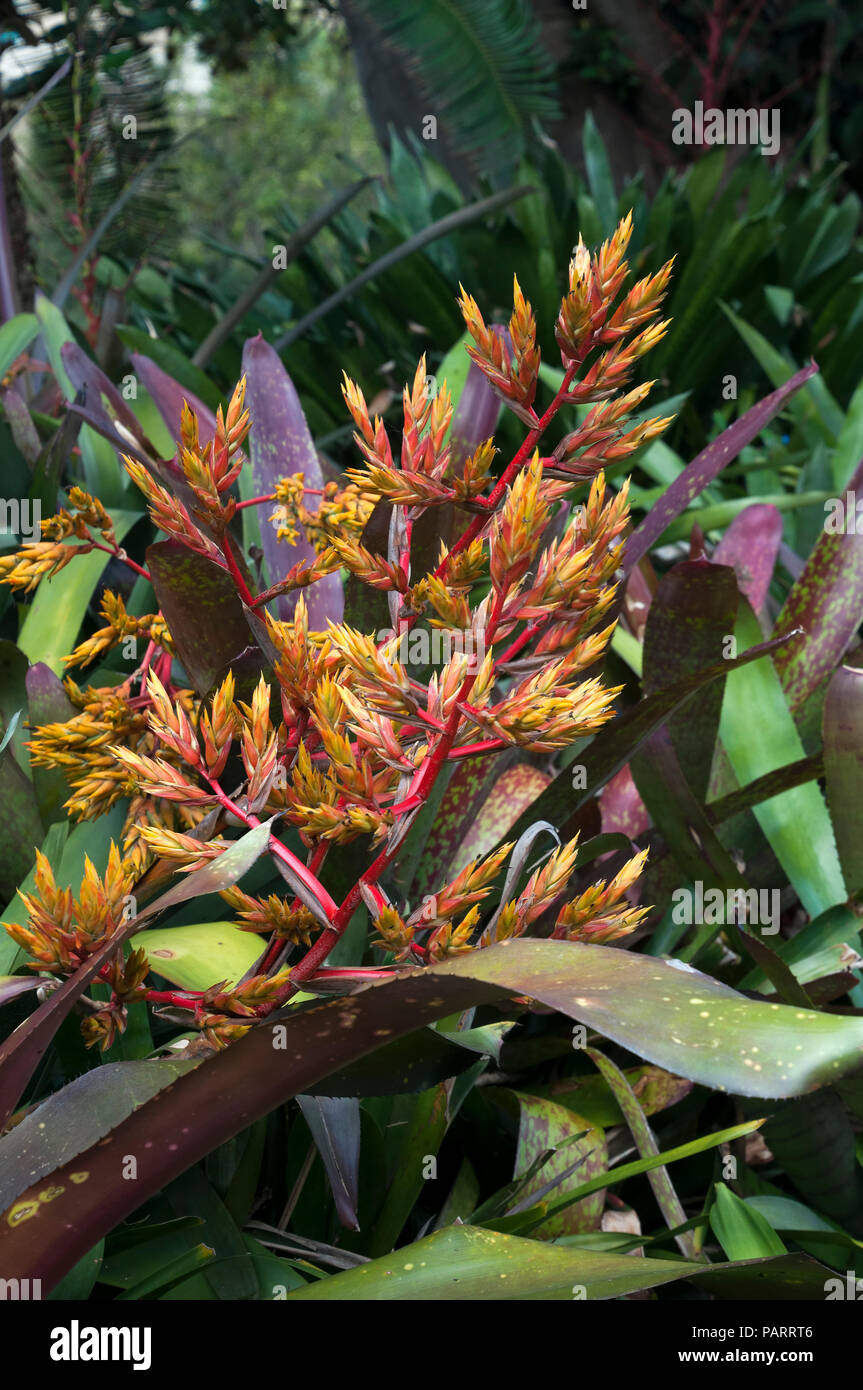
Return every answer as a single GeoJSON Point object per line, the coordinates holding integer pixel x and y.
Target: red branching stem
{"type": "Point", "coordinates": [417, 794]}
{"type": "Point", "coordinates": [255, 501]}
{"type": "Point", "coordinates": [234, 569]}
{"type": "Point", "coordinates": [519, 459]}
{"type": "Point", "coordinates": [305, 875]}
{"type": "Point", "coordinates": [170, 996]}
{"type": "Point", "coordinates": [523, 639]}
{"type": "Point", "coordinates": [467, 750]}
{"type": "Point", "coordinates": [120, 554]}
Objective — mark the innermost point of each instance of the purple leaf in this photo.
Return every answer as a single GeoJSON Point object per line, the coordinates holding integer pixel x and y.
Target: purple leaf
{"type": "Point", "coordinates": [13, 985]}
{"type": "Point", "coordinates": [693, 609]}
{"type": "Point", "coordinates": [20, 422]}
{"type": "Point", "coordinates": [48, 703]}
{"type": "Point", "coordinates": [476, 415]}
{"type": "Point", "coordinates": [280, 443]}
{"type": "Point", "coordinates": [707, 466]}
{"type": "Point", "coordinates": [827, 602]}
{"type": "Point", "coordinates": [750, 546]}
{"type": "Point", "coordinates": [204, 613]}
{"type": "Point", "coordinates": [168, 397]}
{"type": "Point", "coordinates": [621, 806]}
{"type": "Point", "coordinates": [86, 376]}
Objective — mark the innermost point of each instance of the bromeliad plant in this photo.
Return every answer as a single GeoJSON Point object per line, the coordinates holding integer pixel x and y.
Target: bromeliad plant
{"type": "Point", "coordinates": [307, 714]}
{"type": "Point", "coordinates": [345, 742]}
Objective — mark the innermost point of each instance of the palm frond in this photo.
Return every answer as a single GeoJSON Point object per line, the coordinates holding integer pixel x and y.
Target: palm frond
{"type": "Point", "coordinates": [486, 76]}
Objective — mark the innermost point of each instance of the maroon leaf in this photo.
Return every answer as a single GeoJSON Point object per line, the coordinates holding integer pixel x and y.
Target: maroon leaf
{"type": "Point", "coordinates": [87, 377]}
{"type": "Point", "coordinates": [48, 703]}
{"type": "Point", "coordinates": [280, 443]}
{"type": "Point", "coordinates": [692, 612]}
{"type": "Point", "coordinates": [827, 602]}
{"type": "Point", "coordinates": [623, 810]}
{"type": "Point", "coordinates": [613, 747]}
{"type": "Point", "coordinates": [843, 768]}
{"type": "Point", "coordinates": [168, 397]}
{"type": "Point", "coordinates": [750, 546]}
{"type": "Point", "coordinates": [707, 466]}
{"type": "Point", "coordinates": [204, 614]}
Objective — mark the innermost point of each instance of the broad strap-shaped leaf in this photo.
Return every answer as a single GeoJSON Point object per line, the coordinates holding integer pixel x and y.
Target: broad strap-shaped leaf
{"type": "Point", "coordinates": [76, 1117]}
{"type": "Point", "coordinates": [103, 405]}
{"type": "Point", "coordinates": [827, 603]}
{"type": "Point", "coordinates": [205, 615]}
{"type": "Point", "coordinates": [200, 954]}
{"type": "Point", "coordinates": [707, 466]}
{"type": "Point", "coordinates": [48, 703]}
{"type": "Point", "coordinates": [692, 614]}
{"type": "Point", "coordinates": [280, 444]}
{"type": "Point", "coordinates": [843, 768]}
{"type": "Point", "coordinates": [759, 736]}
{"type": "Point", "coordinates": [469, 1264]}
{"type": "Point", "coordinates": [169, 397]}
{"type": "Point", "coordinates": [54, 619]}
{"type": "Point", "coordinates": [743, 1232]}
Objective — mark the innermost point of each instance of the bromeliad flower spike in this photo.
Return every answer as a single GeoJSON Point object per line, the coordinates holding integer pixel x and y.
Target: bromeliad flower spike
{"type": "Point", "coordinates": [343, 742]}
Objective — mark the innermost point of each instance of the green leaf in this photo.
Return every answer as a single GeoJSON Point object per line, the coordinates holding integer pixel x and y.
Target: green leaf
{"type": "Point", "coordinates": [743, 1232]}
{"type": "Point", "coordinates": [663, 1189]}
{"type": "Point", "coordinates": [813, 1139]}
{"type": "Point", "coordinates": [16, 335]}
{"type": "Point", "coordinates": [54, 618]}
{"type": "Point", "coordinates": [758, 734]}
{"type": "Point", "coordinates": [200, 955]}
{"type": "Point", "coordinates": [421, 1137]}
{"type": "Point", "coordinates": [849, 445]}
{"type": "Point", "coordinates": [103, 473]}
{"type": "Point", "coordinates": [467, 1264]}
{"type": "Point", "coordinates": [599, 176]}
{"type": "Point", "coordinates": [814, 408]}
